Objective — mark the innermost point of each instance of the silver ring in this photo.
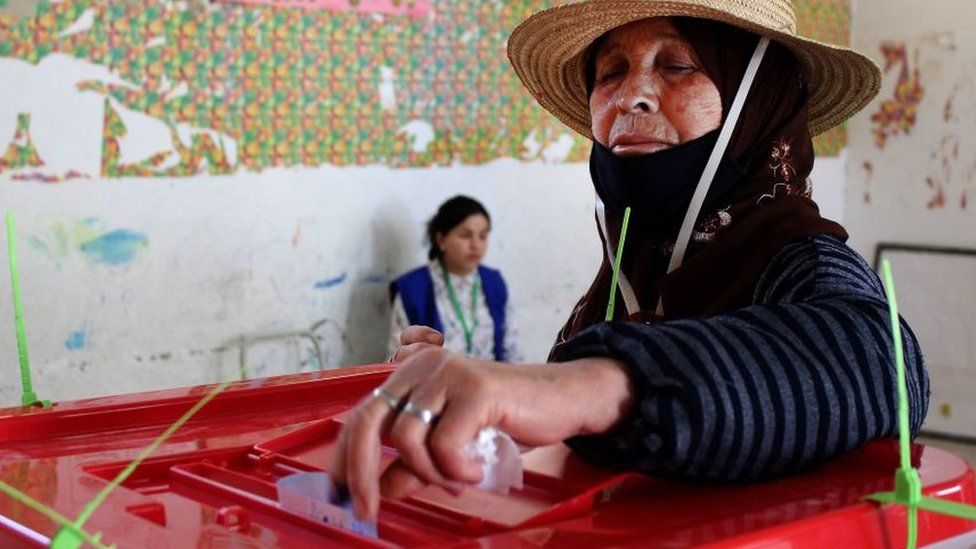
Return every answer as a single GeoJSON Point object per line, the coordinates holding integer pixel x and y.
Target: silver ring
{"type": "Point", "coordinates": [386, 397]}
{"type": "Point", "coordinates": [422, 414]}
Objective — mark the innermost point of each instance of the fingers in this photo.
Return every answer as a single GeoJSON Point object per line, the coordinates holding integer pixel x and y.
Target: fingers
{"type": "Point", "coordinates": [421, 334]}
{"type": "Point", "coordinates": [432, 451]}
{"type": "Point", "coordinates": [399, 482]}
{"type": "Point", "coordinates": [435, 453]}
{"type": "Point", "coordinates": [406, 352]}
{"type": "Point", "coordinates": [338, 469]}
{"type": "Point", "coordinates": [409, 435]}
{"type": "Point", "coordinates": [458, 426]}
{"type": "Point", "coordinates": [357, 461]}
{"type": "Point", "coordinates": [360, 446]}
{"type": "Point", "coordinates": [415, 338]}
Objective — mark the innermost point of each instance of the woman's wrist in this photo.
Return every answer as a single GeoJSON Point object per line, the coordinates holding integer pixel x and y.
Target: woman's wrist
{"type": "Point", "coordinates": [545, 403]}
{"type": "Point", "coordinates": [599, 390]}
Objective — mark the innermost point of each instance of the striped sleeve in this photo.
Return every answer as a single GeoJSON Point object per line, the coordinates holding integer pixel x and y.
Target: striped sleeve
{"type": "Point", "coordinates": [805, 374]}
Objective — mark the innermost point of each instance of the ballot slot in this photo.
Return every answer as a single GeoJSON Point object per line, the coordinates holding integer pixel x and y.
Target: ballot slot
{"type": "Point", "coordinates": [312, 448]}
{"type": "Point", "coordinates": [234, 488]}
{"type": "Point", "coordinates": [543, 499]}
{"type": "Point", "coordinates": [557, 484]}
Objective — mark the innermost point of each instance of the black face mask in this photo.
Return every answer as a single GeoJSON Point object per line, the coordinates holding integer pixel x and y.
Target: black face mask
{"type": "Point", "coordinates": [658, 187]}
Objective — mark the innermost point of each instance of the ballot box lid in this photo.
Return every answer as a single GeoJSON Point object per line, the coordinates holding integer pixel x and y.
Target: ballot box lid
{"type": "Point", "coordinates": [213, 483]}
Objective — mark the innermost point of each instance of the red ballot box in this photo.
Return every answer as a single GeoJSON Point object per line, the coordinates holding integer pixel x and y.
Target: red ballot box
{"type": "Point", "coordinates": [213, 483]}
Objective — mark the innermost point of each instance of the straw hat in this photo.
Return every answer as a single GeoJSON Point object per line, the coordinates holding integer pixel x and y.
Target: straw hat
{"type": "Point", "coordinates": [548, 51]}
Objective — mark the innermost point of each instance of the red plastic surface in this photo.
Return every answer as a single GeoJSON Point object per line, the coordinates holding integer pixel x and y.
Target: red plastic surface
{"type": "Point", "coordinates": [213, 483]}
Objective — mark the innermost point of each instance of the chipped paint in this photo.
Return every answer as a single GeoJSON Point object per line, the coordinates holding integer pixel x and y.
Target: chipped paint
{"type": "Point", "coordinates": [387, 89]}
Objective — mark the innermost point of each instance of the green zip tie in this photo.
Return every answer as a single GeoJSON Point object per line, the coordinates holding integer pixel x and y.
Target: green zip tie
{"type": "Point", "coordinates": [941, 506]}
{"type": "Point", "coordinates": [73, 536]}
{"type": "Point", "coordinates": [904, 437]}
{"type": "Point", "coordinates": [908, 484]}
{"type": "Point", "coordinates": [95, 503]}
{"type": "Point", "coordinates": [616, 266]}
{"type": "Point", "coordinates": [28, 398]}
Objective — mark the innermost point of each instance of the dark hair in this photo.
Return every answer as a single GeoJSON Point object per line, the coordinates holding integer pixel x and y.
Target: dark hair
{"type": "Point", "coordinates": [451, 214]}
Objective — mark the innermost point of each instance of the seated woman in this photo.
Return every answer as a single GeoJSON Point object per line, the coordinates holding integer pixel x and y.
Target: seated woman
{"type": "Point", "coordinates": [752, 341]}
{"type": "Point", "coordinates": [455, 294]}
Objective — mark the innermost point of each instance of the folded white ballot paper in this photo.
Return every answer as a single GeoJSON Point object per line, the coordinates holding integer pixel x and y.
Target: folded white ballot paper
{"type": "Point", "coordinates": [501, 461]}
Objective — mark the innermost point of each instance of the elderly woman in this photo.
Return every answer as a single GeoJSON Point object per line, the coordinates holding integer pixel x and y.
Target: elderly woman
{"type": "Point", "coordinates": [751, 343]}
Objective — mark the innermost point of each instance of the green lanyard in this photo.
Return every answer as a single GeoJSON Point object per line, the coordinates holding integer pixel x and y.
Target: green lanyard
{"type": "Point", "coordinates": [468, 330]}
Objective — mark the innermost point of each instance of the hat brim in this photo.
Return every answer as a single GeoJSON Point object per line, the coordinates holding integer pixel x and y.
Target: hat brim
{"type": "Point", "coordinates": [548, 51]}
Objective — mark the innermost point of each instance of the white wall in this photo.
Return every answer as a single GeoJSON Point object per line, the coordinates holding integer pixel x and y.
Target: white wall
{"type": "Point", "coordinates": [828, 186]}
{"type": "Point", "coordinates": [889, 196]}
{"type": "Point", "coordinates": [242, 255]}
{"type": "Point", "coordinates": [918, 186]}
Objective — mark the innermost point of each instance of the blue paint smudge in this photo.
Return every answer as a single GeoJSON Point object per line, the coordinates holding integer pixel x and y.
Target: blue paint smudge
{"type": "Point", "coordinates": [116, 247]}
{"type": "Point", "coordinates": [37, 244]}
{"type": "Point", "coordinates": [75, 341]}
{"type": "Point", "coordinates": [330, 282]}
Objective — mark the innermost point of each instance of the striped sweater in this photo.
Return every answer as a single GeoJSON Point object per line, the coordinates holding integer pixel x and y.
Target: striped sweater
{"type": "Point", "coordinates": [804, 374]}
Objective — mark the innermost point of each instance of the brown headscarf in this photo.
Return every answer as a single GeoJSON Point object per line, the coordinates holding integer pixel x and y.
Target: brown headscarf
{"type": "Point", "coordinates": [766, 210]}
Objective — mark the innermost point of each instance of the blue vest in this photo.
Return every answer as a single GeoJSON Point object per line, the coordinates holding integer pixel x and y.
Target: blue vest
{"type": "Point", "coordinates": [416, 290]}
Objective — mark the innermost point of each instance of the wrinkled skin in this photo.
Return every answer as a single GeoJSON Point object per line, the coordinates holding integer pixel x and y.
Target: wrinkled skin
{"type": "Point", "coordinates": [649, 92]}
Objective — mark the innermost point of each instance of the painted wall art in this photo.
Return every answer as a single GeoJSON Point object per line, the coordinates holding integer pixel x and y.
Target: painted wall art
{"type": "Point", "coordinates": [924, 121]}
{"type": "Point", "coordinates": [174, 89]}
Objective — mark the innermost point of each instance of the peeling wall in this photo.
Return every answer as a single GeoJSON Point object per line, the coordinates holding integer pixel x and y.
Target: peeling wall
{"type": "Point", "coordinates": [153, 284]}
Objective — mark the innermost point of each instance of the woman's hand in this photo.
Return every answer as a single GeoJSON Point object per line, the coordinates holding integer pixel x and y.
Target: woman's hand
{"type": "Point", "coordinates": [536, 404]}
{"type": "Point", "coordinates": [414, 339]}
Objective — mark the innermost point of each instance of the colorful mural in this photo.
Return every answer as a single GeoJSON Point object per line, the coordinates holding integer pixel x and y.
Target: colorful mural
{"type": "Point", "coordinates": [827, 21]}
{"type": "Point", "coordinates": [399, 7]}
{"type": "Point", "coordinates": [928, 105]}
{"type": "Point", "coordinates": [899, 114]}
{"type": "Point", "coordinates": [21, 156]}
{"type": "Point", "coordinates": [250, 87]}
{"type": "Point", "coordinates": [21, 152]}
